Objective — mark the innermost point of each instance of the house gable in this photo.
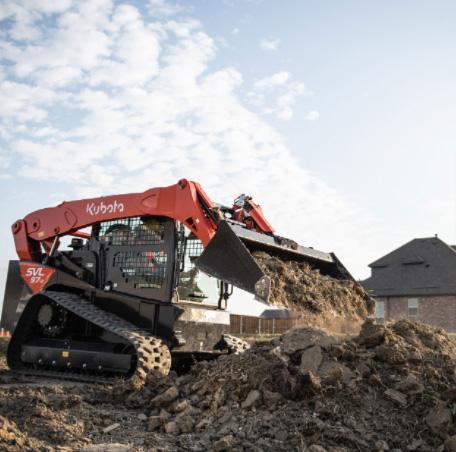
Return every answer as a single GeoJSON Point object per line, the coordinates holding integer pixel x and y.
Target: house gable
{"type": "Point", "coordinates": [420, 267]}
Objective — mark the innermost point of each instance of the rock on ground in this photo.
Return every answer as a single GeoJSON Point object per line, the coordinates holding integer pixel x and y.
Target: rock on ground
{"type": "Point", "coordinates": [303, 391]}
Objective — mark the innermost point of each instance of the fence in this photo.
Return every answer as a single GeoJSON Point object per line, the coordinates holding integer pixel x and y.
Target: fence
{"type": "Point", "coordinates": [242, 324]}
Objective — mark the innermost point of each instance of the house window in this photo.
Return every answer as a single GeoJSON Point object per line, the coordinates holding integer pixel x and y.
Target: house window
{"type": "Point", "coordinates": [412, 304]}
{"type": "Point", "coordinates": [379, 311]}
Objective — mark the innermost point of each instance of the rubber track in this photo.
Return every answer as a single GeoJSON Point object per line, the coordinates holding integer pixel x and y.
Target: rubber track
{"type": "Point", "coordinates": [152, 354]}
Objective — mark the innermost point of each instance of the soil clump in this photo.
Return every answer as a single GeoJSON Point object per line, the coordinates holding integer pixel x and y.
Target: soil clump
{"type": "Point", "coordinates": [335, 305]}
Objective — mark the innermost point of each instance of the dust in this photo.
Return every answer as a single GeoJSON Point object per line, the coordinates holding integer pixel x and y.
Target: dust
{"type": "Point", "coordinates": [334, 305]}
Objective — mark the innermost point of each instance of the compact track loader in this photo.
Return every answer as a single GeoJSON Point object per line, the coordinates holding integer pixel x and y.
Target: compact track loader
{"type": "Point", "coordinates": [147, 276]}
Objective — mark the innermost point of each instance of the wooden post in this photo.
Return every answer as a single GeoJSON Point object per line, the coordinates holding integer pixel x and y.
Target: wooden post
{"type": "Point", "coordinates": [273, 325]}
{"type": "Point", "coordinates": [240, 324]}
{"type": "Point", "coordinates": [259, 325]}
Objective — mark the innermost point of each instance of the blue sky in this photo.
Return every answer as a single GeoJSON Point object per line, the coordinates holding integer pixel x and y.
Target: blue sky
{"type": "Point", "coordinates": [337, 116]}
{"type": "Point", "coordinates": [382, 74]}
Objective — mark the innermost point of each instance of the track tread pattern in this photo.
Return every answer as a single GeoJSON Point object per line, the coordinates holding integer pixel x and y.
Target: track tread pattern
{"type": "Point", "coordinates": [152, 354]}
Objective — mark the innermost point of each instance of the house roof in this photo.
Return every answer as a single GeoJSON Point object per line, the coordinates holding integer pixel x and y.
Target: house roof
{"type": "Point", "coordinates": [278, 313]}
{"type": "Point", "coordinates": [420, 267]}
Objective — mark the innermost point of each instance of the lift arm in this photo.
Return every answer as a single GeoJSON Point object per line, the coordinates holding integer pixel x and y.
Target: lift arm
{"type": "Point", "coordinates": [185, 201]}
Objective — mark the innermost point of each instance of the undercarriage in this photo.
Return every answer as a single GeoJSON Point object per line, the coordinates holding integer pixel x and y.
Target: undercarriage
{"type": "Point", "coordinates": [62, 335]}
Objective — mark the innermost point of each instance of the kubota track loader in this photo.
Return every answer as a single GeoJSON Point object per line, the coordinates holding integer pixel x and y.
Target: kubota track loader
{"type": "Point", "coordinates": [146, 274]}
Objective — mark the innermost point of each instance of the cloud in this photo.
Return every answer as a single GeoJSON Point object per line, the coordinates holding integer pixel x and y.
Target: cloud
{"type": "Point", "coordinates": [269, 44]}
{"type": "Point", "coordinates": [281, 87]}
{"type": "Point", "coordinates": [24, 102]}
{"type": "Point", "coordinates": [26, 17]}
{"type": "Point", "coordinates": [133, 56]}
{"type": "Point", "coordinates": [4, 167]}
{"type": "Point", "coordinates": [278, 79]}
{"type": "Point", "coordinates": [163, 8]}
{"type": "Point", "coordinates": [312, 115]}
{"type": "Point", "coordinates": [4, 162]}
{"type": "Point", "coordinates": [111, 99]}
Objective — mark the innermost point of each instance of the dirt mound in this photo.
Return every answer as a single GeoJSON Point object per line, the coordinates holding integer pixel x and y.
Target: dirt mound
{"type": "Point", "coordinates": [319, 300]}
{"type": "Point", "coordinates": [11, 438]}
{"type": "Point", "coordinates": [389, 388]}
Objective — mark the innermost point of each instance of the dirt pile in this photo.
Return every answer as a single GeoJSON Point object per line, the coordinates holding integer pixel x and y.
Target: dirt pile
{"type": "Point", "coordinates": [392, 388]}
{"type": "Point", "coordinates": [337, 305]}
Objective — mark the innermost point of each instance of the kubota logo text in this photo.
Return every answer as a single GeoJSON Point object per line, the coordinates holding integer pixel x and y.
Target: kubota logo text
{"type": "Point", "coordinates": [35, 274]}
{"type": "Point", "coordinates": [93, 208]}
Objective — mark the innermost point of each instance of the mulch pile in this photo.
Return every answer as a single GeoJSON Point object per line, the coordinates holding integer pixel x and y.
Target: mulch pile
{"type": "Point", "coordinates": [391, 388]}
{"type": "Point", "coordinates": [322, 301]}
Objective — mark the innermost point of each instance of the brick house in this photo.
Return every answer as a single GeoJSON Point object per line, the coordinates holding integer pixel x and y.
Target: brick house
{"type": "Point", "coordinates": [416, 281]}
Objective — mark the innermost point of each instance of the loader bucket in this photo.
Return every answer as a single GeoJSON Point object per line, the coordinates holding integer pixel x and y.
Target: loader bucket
{"type": "Point", "coordinates": [228, 257]}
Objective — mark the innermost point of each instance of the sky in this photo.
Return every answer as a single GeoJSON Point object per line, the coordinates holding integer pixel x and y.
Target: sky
{"type": "Point", "coordinates": [338, 117]}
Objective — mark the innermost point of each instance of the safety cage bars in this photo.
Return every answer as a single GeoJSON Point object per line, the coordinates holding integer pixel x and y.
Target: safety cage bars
{"type": "Point", "coordinates": [132, 231]}
{"type": "Point", "coordinates": [193, 250]}
{"type": "Point", "coordinates": [146, 269]}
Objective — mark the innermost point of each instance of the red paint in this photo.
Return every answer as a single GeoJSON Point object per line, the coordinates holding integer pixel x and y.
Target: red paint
{"type": "Point", "coordinates": [35, 276]}
{"type": "Point", "coordinates": [252, 216]}
{"type": "Point", "coordinates": [256, 213]}
{"type": "Point", "coordinates": [185, 201]}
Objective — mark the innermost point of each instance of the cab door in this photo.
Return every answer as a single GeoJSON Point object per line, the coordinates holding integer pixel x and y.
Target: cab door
{"type": "Point", "coordinates": [139, 255]}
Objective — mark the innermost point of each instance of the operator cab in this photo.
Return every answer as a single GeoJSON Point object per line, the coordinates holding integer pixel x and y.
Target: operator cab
{"type": "Point", "coordinates": [152, 257]}
{"type": "Point", "coordinates": [137, 256]}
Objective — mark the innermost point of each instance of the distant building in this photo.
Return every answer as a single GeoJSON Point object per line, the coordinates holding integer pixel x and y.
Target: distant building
{"type": "Point", "coordinates": [416, 281]}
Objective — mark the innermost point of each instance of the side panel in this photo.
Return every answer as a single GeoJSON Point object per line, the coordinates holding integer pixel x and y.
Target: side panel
{"type": "Point", "coordinates": [15, 298]}
{"type": "Point", "coordinates": [158, 318]}
{"type": "Point", "coordinates": [166, 315]}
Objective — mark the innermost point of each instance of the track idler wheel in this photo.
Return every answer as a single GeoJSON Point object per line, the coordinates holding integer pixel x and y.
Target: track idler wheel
{"type": "Point", "coordinates": [52, 318]}
{"type": "Point", "coordinates": [153, 356]}
{"type": "Point", "coordinates": [234, 345]}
